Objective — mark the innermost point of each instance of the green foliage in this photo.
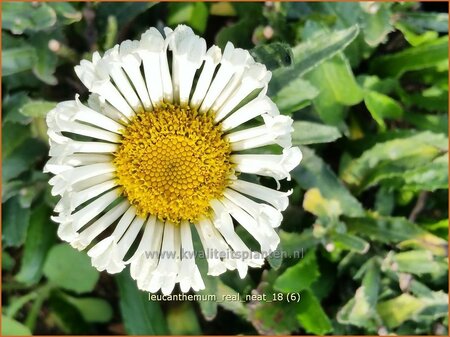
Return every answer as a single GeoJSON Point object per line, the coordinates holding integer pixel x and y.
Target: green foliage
{"type": "Point", "coordinates": [364, 240]}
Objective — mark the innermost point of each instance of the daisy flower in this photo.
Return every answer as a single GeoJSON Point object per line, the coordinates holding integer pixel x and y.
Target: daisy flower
{"type": "Point", "coordinates": [157, 151]}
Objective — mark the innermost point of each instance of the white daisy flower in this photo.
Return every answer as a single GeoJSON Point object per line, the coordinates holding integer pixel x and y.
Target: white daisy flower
{"type": "Point", "coordinates": [155, 154]}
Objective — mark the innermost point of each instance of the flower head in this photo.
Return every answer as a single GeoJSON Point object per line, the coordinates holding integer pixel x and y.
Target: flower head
{"type": "Point", "coordinates": [155, 153]}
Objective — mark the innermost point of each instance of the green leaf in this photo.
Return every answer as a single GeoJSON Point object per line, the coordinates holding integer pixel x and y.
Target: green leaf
{"type": "Point", "coordinates": [273, 55]}
{"type": "Point", "coordinates": [182, 320]}
{"type": "Point", "coordinates": [391, 158]}
{"type": "Point", "coordinates": [434, 123]}
{"type": "Point", "coordinates": [70, 269]}
{"type": "Point", "coordinates": [429, 177]}
{"type": "Point", "coordinates": [65, 12]}
{"type": "Point", "coordinates": [21, 16]}
{"type": "Point", "coordinates": [313, 172]}
{"type": "Point", "coordinates": [15, 221]}
{"type": "Point", "coordinates": [310, 54]}
{"type": "Point", "coordinates": [11, 105]}
{"type": "Point", "coordinates": [194, 14]}
{"type": "Point", "coordinates": [23, 158]}
{"type": "Point", "coordinates": [40, 238]}
{"type": "Point", "coordinates": [311, 316]}
{"type": "Point", "coordinates": [313, 133]}
{"type": "Point", "coordinates": [296, 95]}
{"type": "Point", "coordinates": [416, 58]}
{"type": "Point", "coordinates": [294, 244]}
{"type": "Point", "coordinates": [11, 327]}
{"type": "Point", "coordinates": [124, 12]}
{"type": "Point", "coordinates": [8, 261]}
{"type": "Point", "coordinates": [270, 316]}
{"type": "Point", "coordinates": [315, 203]}
{"type": "Point", "coordinates": [382, 107]}
{"type": "Point", "coordinates": [241, 32]}
{"type": "Point", "coordinates": [300, 276]}
{"type": "Point", "coordinates": [93, 310]}
{"type": "Point", "coordinates": [399, 309]}
{"type": "Point", "coordinates": [13, 136]}
{"type": "Point", "coordinates": [361, 309]}
{"type": "Point", "coordinates": [376, 25]}
{"type": "Point", "coordinates": [337, 87]}
{"type": "Point", "coordinates": [275, 258]}
{"type": "Point", "coordinates": [140, 315]}
{"type": "Point", "coordinates": [416, 262]}
{"type": "Point", "coordinates": [16, 60]}
{"type": "Point", "coordinates": [37, 108]}
{"type": "Point", "coordinates": [351, 242]}
{"type": "Point", "coordinates": [46, 61]}
{"type": "Point", "coordinates": [396, 230]}
{"type": "Point", "coordinates": [225, 292]}
{"type": "Point", "coordinates": [423, 21]}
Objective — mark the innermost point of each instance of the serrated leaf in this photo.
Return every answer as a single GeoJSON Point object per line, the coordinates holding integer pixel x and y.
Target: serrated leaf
{"type": "Point", "coordinates": [415, 58]}
{"type": "Point", "coordinates": [313, 172]}
{"type": "Point", "coordinates": [70, 269]}
{"type": "Point", "coordinates": [21, 16]}
{"type": "Point", "coordinates": [306, 133]}
{"type": "Point", "coordinates": [391, 158]}
{"type": "Point", "coordinates": [310, 54]}
{"type": "Point", "coordinates": [416, 262]}
{"type": "Point", "coordinates": [361, 309]}
{"type": "Point", "coordinates": [397, 310]}
{"type": "Point", "coordinates": [311, 316]}
{"type": "Point", "coordinates": [337, 87]}
{"type": "Point", "coordinates": [300, 276]}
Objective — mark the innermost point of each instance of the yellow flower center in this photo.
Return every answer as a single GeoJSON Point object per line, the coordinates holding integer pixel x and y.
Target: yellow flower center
{"type": "Point", "coordinates": [172, 162]}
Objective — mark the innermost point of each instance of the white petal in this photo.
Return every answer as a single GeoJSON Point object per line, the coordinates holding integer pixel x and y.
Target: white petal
{"type": "Point", "coordinates": [131, 63]}
{"type": "Point", "coordinates": [256, 107]}
{"type": "Point", "coordinates": [268, 217]}
{"type": "Point", "coordinates": [64, 181]}
{"type": "Point", "coordinates": [212, 59]}
{"type": "Point", "coordinates": [267, 243]}
{"type": "Point", "coordinates": [277, 130]}
{"type": "Point", "coordinates": [99, 226]}
{"type": "Point", "coordinates": [95, 77]}
{"type": "Point", "coordinates": [276, 166]}
{"type": "Point", "coordinates": [255, 77]}
{"type": "Point", "coordinates": [151, 51]}
{"type": "Point", "coordinates": [278, 199]}
{"type": "Point", "coordinates": [233, 61]}
{"type": "Point", "coordinates": [105, 256]}
{"type": "Point", "coordinates": [213, 245]}
{"type": "Point", "coordinates": [165, 274]}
